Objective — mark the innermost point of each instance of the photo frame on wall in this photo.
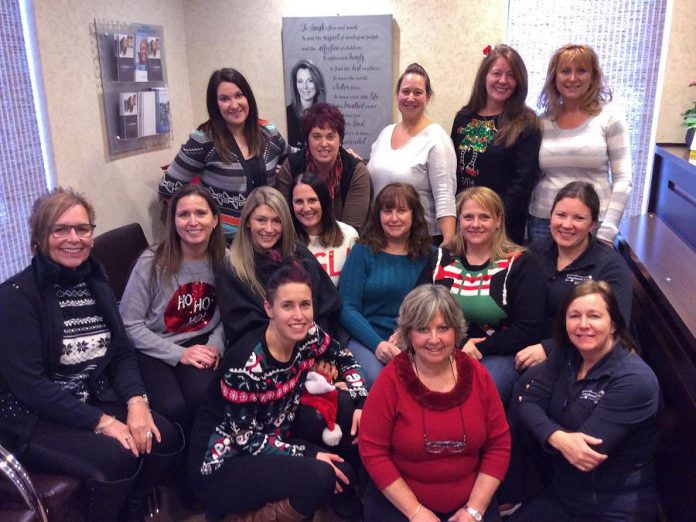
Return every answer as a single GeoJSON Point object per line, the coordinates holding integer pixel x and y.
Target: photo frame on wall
{"type": "Point", "coordinates": [135, 93]}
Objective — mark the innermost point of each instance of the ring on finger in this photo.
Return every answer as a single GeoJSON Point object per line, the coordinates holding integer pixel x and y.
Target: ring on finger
{"type": "Point", "coordinates": [148, 434]}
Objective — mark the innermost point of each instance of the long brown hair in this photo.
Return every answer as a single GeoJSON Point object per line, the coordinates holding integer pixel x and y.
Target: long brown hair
{"type": "Point", "coordinates": [598, 93]}
{"type": "Point", "coordinates": [219, 133]}
{"type": "Point", "coordinates": [390, 197]}
{"type": "Point", "coordinates": [516, 116]}
{"type": "Point", "coordinates": [331, 234]}
{"type": "Point", "coordinates": [167, 254]}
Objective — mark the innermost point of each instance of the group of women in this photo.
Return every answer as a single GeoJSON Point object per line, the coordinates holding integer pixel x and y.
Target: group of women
{"type": "Point", "coordinates": [438, 305]}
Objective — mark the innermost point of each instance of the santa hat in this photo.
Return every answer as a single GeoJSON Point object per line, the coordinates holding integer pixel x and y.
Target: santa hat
{"type": "Point", "coordinates": [322, 396]}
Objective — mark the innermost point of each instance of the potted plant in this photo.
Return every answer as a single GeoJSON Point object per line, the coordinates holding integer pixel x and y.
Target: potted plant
{"type": "Point", "coordinates": [689, 120]}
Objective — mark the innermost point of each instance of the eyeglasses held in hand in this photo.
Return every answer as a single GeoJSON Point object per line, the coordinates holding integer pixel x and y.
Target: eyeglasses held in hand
{"type": "Point", "coordinates": [63, 231]}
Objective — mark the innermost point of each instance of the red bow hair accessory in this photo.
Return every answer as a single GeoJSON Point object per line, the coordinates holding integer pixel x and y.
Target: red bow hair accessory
{"type": "Point", "coordinates": [487, 50]}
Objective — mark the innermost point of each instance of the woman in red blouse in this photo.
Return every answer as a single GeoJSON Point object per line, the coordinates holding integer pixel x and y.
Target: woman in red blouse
{"type": "Point", "coordinates": [434, 438]}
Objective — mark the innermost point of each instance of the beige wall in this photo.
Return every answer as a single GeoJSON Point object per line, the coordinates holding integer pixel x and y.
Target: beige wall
{"type": "Point", "coordinates": [123, 190]}
{"type": "Point", "coordinates": [680, 67]}
{"type": "Point", "coordinates": [446, 36]}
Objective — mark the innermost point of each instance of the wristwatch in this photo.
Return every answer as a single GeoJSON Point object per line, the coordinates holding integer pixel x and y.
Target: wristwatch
{"type": "Point", "coordinates": [476, 515]}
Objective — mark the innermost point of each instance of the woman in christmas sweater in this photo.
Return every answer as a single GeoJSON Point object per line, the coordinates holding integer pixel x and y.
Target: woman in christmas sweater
{"type": "Point", "coordinates": [381, 269]}
{"type": "Point", "coordinates": [434, 438]}
{"type": "Point", "coordinates": [233, 152]}
{"type": "Point", "coordinates": [497, 137]}
{"type": "Point", "coordinates": [71, 398]}
{"type": "Point", "coordinates": [265, 238]}
{"type": "Point", "coordinates": [313, 216]}
{"type": "Point", "coordinates": [243, 432]}
{"type": "Point", "coordinates": [170, 306]}
{"type": "Point", "coordinates": [496, 282]}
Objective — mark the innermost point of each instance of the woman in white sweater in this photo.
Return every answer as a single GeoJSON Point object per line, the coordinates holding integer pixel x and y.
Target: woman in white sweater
{"type": "Point", "coordinates": [584, 138]}
{"type": "Point", "coordinates": [418, 152]}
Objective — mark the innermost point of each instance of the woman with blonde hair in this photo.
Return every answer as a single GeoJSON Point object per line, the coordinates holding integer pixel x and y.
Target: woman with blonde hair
{"type": "Point", "coordinates": [584, 138]}
{"type": "Point", "coordinates": [496, 282]}
{"type": "Point", "coordinates": [265, 238]}
{"type": "Point", "coordinates": [497, 136]}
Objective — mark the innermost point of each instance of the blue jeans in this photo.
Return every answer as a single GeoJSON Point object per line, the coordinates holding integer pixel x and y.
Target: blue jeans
{"type": "Point", "coordinates": [502, 369]}
{"type": "Point", "coordinates": [368, 360]}
{"type": "Point", "coordinates": [538, 228]}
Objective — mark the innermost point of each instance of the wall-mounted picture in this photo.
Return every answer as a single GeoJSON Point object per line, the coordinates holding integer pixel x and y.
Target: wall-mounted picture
{"type": "Point", "coordinates": [124, 50]}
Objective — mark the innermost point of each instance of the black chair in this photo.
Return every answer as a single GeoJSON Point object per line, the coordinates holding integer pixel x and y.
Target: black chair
{"type": "Point", "coordinates": [118, 250]}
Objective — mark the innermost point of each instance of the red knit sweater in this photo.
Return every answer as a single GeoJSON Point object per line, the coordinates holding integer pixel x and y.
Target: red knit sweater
{"type": "Point", "coordinates": [391, 433]}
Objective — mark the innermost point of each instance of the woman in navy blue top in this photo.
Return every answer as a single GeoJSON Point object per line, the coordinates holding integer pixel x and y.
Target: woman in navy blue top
{"type": "Point", "coordinates": [593, 405]}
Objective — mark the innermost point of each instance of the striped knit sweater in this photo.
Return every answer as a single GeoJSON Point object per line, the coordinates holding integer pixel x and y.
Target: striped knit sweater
{"type": "Point", "coordinates": [226, 182]}
{"type": "Point", "coordinates": [598, 151]}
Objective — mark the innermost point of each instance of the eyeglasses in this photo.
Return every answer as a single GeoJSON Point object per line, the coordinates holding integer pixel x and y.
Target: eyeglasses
{"type": "Point", "coordinates": [63, 231]}
{"type": "Point", "coordinates": [436, 447]}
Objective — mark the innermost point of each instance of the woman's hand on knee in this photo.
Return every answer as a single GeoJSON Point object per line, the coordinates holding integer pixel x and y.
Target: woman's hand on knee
{"type": "Point", "coordinates": [142, 427]}
{"type": "Point", "coordinates": [200, 356]}
{"type": "Point", "coordinates": [471, 349]}
{"type": "Point", "coordinates": [529, 357]}
{"type": "Point", "coordinates": [386, 351]}
{"type": "Point", "coordinates": [119, 431]}
{"type": "Point", "coordinates": [330, 458]}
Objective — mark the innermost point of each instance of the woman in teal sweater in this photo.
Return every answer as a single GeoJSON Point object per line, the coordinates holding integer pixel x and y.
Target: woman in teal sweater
{"type": "Point", "coordinates": [380, 270]}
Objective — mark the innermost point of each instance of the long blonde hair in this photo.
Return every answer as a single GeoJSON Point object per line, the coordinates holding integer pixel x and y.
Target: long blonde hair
{"type": "Point", "coordinates": [598, 93]}
{"type": "Point", "coordinates": [241, 258]}
{"type": "Point", "coordinates": [491, 202]}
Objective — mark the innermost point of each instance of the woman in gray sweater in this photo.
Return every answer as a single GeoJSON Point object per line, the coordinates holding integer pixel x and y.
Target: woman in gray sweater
{"type": "Point", "coordinates": [170, 307]}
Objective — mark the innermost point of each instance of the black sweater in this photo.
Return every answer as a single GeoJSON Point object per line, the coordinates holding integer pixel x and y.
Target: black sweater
{"type": "Point", "coordinates": [511, 172]}
{"type": "Point", "coordinates": [31, 342]}
{"type": "Point", "coordinates": [241, 308]}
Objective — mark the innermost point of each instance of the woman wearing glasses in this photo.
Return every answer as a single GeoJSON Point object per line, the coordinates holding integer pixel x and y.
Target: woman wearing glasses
{"type": "Point", "coordinates": [433, 434]}
{"type": "Point", "coordinates": [71, 397]}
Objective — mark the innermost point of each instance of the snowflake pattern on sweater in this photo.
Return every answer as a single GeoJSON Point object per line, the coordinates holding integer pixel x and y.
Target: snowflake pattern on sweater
{"type": "Point", "coordinates": [262, 396]}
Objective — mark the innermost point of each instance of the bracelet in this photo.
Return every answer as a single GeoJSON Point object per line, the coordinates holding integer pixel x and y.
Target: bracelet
{"type": "Point", "coordinates": [100, 429]}
{"type": "Point", "coordinates": [416, 511]}
{"type": "Point", "coordinates": [139, 399]}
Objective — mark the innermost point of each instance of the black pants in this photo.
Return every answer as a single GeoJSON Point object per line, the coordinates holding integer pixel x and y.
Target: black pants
{"type": "Point", "coordinates": [378, 508]}
{"type": "Point", "coordinates": [246, 483]}
{"type": "Point", "coordinates": [101, 460]}
{"type": "Point", "coordinates": [174, 391]}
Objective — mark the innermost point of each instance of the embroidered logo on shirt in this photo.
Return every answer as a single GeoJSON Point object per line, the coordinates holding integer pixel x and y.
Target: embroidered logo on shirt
{"type": "Point", "coordinates": [591, 395]}
{"type": "Point", "coordinates": [576, 279]}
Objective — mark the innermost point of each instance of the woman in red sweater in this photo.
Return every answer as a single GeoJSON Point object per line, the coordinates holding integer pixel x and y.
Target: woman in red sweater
{"type": "Point", "coordinates": [433, 437]}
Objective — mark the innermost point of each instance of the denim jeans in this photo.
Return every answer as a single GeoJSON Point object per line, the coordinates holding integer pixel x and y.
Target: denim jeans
{"type": "Point", "coordinates": [538, 228]}
{"type": "Point", "coordinates": [502, 369]}
{"type": "Point", "coordinates": [368, 360]}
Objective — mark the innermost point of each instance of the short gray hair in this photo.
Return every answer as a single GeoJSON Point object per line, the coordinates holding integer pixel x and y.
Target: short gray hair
{"type": "Point", "coordinates": [422, 304]}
